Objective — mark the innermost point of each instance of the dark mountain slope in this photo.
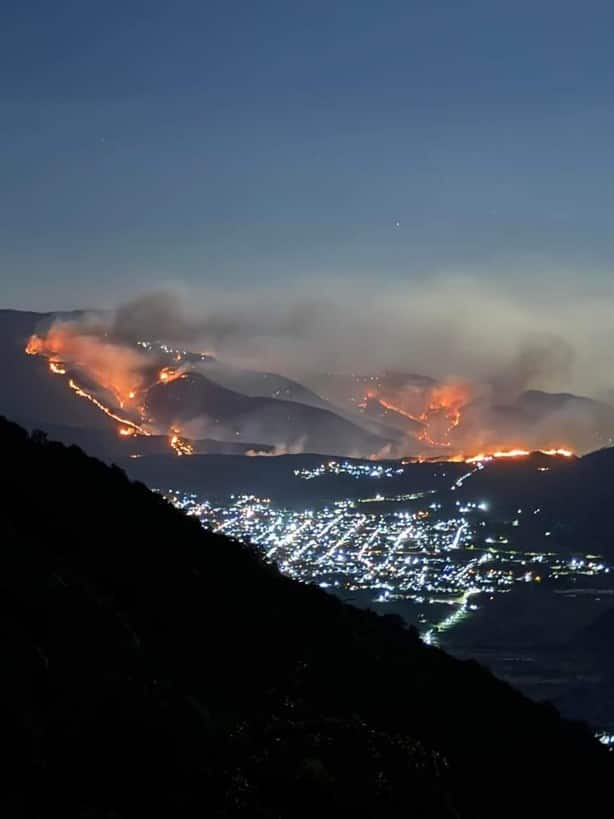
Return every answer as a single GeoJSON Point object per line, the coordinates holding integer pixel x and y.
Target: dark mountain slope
{"type": "Point", "coordinates": [263, 385]}
{"type": "Point", "coordinates": [574, 497]}
{"type": "Point", "coordinates": [226, 414]}
{"type": "Point", "coordinates": [114, 448]}
{"type": "Point", "coordinates": [151, 669]}
{"type": "Point", "coordinates": [271, 385]}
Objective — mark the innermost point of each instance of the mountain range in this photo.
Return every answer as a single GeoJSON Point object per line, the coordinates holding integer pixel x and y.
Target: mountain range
{"type": "Point", "coordinates": [221, 407]}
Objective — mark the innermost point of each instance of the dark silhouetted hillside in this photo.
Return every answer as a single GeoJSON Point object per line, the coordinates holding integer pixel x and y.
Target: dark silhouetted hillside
{"type": "Point", "coordinates": [151, 669]}
{"type": "Point", "coordinates": [574, 495]}
{"type": "Point", "coordinates": [264, 385]}
{"type": "Point", "coordinates": [224, 414]}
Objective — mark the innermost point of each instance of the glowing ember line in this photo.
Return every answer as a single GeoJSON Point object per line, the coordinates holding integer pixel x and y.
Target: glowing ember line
{"type": "Point", "coordinates": [442, 413]}
{"type": "Point", "coordinates": [387, 405]}
{"type": "Point", "coordinates": [477, 458]}
{"type": "Point", "coordinates": [518, 453]}
{"type": "Point", "coordinates": [49, 349]}
{"type": "Point", "coordinates": [123, 421]}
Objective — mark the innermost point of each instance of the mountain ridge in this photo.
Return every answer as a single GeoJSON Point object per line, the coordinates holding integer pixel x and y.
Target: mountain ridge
{"type": "Point", "coordinates": [155, 669]}
{"type": "Point", "coordinates": [30, 390]}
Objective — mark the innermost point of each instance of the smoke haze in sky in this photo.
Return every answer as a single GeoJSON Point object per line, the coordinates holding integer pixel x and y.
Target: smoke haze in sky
{"type": "Point", "coordinates": [459, 376]}
{"type": "Point", "coordinates": [455, 326]}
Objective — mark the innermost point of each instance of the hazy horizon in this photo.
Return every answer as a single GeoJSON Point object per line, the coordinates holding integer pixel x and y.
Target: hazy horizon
{"type": "Point", "coordinates": [453, 328]}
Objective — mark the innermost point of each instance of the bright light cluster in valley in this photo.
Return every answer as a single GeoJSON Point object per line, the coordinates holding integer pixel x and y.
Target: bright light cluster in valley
{"type": "Point", "coordinates": [440, 553]}
{"type": "Point", "coordinates": [354, 470]}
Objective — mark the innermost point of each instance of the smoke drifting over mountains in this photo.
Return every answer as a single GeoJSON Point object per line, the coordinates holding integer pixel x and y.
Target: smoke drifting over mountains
{"type": "Point", "coordinates": [164, 315]}
{"type": "Point", "coordinates": [538, 363]}
{"type": "Point", "coordinates": [310, 336]}
{"type": "Point", "coordinates": [448, 329]}
{"type": "Point", "coordinates": [552, 333]}
{"type": "Point", "coordinates": [477, 401]}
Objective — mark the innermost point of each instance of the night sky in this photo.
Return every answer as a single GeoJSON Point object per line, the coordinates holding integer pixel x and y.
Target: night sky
{"type": "Point", "coordinates": [232, 144]}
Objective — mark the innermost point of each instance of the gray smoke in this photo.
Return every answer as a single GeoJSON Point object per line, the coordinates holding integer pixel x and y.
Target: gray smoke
{"type": "Point", "coordinates": [540, 362]}
{"type": "Point", "coordinates": [165, 316]}
{"type": "Point", "coordinates": [447, 331]}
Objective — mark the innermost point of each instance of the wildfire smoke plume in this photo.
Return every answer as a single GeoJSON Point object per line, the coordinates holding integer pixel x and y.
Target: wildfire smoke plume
{"type": "Point", "coordinates": [454, 418]}
{"type": "Point", "coordinates": [104, 362]}
{"type": "Point", "coordinates": [116, 367]}
{"type": "Point", "coordinates": [121, 373]}
{"type": "Point", "coordinates": [437, 409]}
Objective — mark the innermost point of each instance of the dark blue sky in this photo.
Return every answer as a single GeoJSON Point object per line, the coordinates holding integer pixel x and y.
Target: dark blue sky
{"type": "Point", "coordinates": [225, 144]}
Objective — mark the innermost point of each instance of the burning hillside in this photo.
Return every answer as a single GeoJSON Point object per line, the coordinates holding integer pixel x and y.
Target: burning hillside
{"type": "Point", "coordinates": [436, 409]}
{"type": "Point", "coordinates": [111, 375]}
{"type": "Point", "coordinates": [519, 453]}
{"type": "Point", "coordinates": [150, 388]}
{"type": "Point", "coordinates": [133, 385]}
{"type": "Point", "coordinates": [459, 420]}
{"type": "Point", "coordinates": [114, 367]}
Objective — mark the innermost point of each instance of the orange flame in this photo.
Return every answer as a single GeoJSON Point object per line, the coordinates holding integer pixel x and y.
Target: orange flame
{"type": "Point", "coordinates": [35, 345]}
{"type": "Point", "coordinates": [399, 410]}
{"type": "Point", "coordinates": [137, 430]}
{"type": "Point", "coordinates": [114, 368]}
{"type": "Point", "coordinates": [439, 409]}
{"type": "Point", "coordinates": [181, 445]}
{"type": "Point", "coordinates": [168, 374]}
{"type": "Point", "coordinates": [440, 413]}
{"type": "Point", "coordinates": [518, 453]}
{"type": "Point", "coordinates": [57, 367]}
{"type": "Point", "coordinates": [443, 412]}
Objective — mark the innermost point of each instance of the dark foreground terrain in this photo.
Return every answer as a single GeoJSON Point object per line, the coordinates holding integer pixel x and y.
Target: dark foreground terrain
{"type": "Point", "coordinates": [136, 684]}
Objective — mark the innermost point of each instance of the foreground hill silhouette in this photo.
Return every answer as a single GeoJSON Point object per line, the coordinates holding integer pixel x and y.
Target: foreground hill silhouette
{"type": "Point", "coordinates": [152, 669]}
